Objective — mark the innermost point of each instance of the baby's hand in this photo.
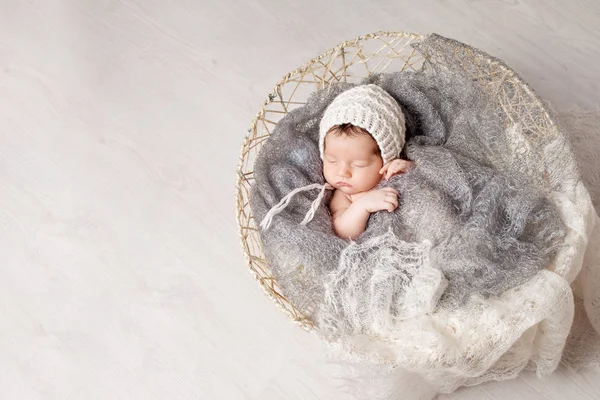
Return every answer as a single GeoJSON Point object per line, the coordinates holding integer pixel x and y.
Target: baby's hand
{"type": "Point", "coordinates": [394, 167]}
{"type": "Point", "coordinates": [380, 199]}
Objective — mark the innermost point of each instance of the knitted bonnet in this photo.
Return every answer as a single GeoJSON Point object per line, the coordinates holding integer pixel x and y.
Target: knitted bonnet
{"type": "Point", "coordinates": [373, 109]}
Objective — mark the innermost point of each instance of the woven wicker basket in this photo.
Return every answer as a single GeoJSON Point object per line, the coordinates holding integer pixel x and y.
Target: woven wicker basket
{"type": "Point", "coordinates": [352, 61]}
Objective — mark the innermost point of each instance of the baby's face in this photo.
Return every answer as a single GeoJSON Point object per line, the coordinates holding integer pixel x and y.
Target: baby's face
{"type": "Point", "coordinates": [351, 163]}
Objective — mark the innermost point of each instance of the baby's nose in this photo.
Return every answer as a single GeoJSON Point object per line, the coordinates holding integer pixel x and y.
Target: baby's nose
{"type": "Point", "coordinates": [344, 171]}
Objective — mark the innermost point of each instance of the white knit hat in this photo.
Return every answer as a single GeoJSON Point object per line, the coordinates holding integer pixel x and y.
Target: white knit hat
{"type": "Point", "coordinates": [373, 109]}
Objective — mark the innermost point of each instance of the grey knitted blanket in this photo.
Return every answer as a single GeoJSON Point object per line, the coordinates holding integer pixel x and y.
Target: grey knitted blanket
{"type": "Point", "coordinates": [464, 226]}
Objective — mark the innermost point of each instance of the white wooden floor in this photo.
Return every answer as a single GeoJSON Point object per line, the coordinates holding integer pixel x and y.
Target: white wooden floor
{"type": "Point", "coordinates": [121, 275]}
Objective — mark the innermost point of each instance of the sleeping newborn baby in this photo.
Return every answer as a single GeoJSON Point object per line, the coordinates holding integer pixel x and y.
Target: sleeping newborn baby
{"type": "Point", "coordinates": [361, 135]}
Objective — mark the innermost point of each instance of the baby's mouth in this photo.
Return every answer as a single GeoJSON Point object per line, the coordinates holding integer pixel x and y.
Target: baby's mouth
{"type": "Point", "coordinates": [342, 184]}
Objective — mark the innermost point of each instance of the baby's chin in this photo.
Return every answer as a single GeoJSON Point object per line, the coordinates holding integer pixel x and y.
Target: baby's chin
{"type": "Point", "coordinates": [348, 190]}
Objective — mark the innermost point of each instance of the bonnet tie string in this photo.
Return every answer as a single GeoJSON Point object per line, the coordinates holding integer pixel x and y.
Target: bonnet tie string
{"type": "Point", "coordinates": [279, 207]}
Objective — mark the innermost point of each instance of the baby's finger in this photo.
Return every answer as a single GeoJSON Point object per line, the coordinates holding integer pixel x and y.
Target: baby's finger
{"type": "Point", "coordinates": [391, 206]}
{"type": "Point", "coordinates": [391, 190]}
{"type": "Point", "coordinates": [385, 167]}
{"type": "Point", "coordinates": [393, 200]}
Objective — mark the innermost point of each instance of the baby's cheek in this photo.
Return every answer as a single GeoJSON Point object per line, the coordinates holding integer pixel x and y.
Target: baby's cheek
{"type": "Point", "coordinates": [326, 175]}
{"type": "Point", "coordinates": [368, 180]}
{"type": "Point", "coordinates": [375, 175]}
